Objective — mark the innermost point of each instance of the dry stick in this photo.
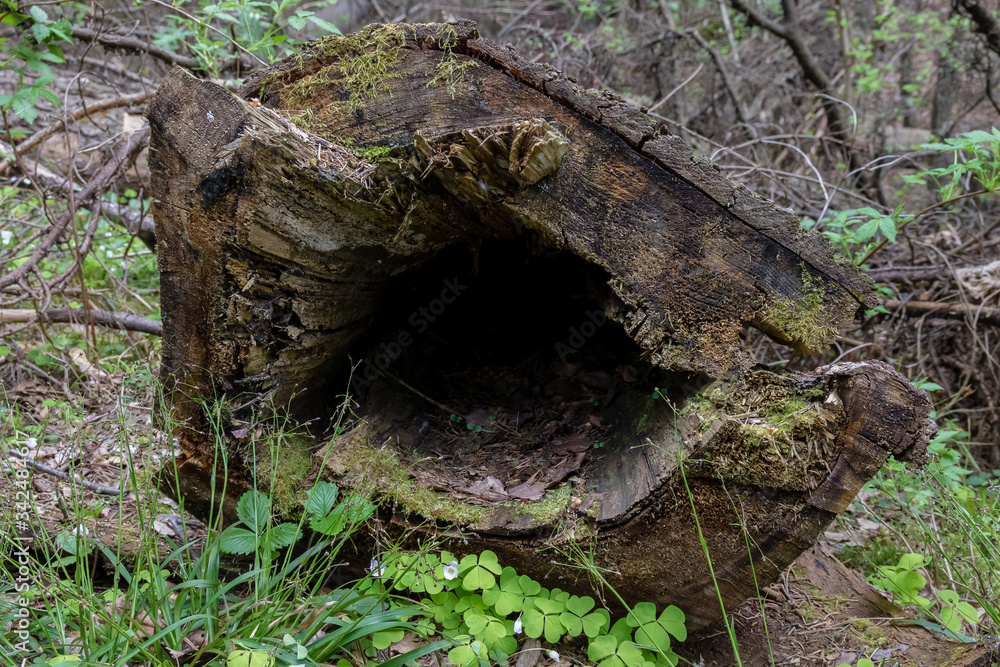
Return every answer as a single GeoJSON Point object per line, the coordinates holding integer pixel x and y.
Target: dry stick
{"type": "Point", "coordinates": [83, 110]}
{"type": "Point", "coordinates": [97, 488]}
{"type": "Point", "coordinates": [422, 395]}
{"type": "Point", "coordinates": [717, 61]}
{"type": "Point", "coordinates": [126, 43]}
{"type": "Point", "coordinates": [986, 25]}
{"type": "Point", "coordinates": [676, 88]}
{"type": "Point", "coordinates": [92, 317]}
{"type": "Point", "coordinates": [978, 314]}
{"type": "Point", "coordinates": [133, 144]}
{"type": "Point", "coordinates": [139, 225]}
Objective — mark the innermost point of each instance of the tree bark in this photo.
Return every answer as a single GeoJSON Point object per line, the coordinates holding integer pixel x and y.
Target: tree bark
{"type": "Point", "coordinates": [537, 301]}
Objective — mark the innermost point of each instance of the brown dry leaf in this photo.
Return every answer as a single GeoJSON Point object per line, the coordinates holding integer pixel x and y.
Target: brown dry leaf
{"type": "Point", "coordinates": [528, 491]}
{"type": "Point", "coordinates": [409, 642]}
{"type": "Point", "coordinates": [578, 442]}
{"type": "Point", "coordinates": [559, 472]}
{"type": "Point", "coordinates": [192, 643]}
{"type": "Point", "coordinates": [490, 488]}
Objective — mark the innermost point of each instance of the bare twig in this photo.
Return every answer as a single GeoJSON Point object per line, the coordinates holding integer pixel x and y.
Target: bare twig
{"type": "Point", "coordinates": [717, 61]}
{"type": "Point", "coordinates": [134, 44]}
{"type": "Point", "coordinates": [48, 470]}
{"type": "Point", "coordinates": [977, 314]}
{"type": "Point", "coordinates": [77, 114]}
{"type": "Point", "coordinates": [124, 157]}
{"type": "Point", "coordinates": [83, 316]}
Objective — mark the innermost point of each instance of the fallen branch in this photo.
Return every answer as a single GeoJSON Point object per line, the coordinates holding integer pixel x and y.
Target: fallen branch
{"type": "Point", "coordinates": [103, 318]}
{"type": "Point", "coordinates": [898, 273]}
{"type": "Point", "coordinates": [986, 25]}
{"type": "Point", "coordinates": [119, 162]}
{"type": "Point", "coordinates": [139, 225]}
{"type": "Point", "coordinates": [77, 114]}
{"type": "Point", "coordinates": [974, 314]}
{"type": "Point", "coordinates": [48, 470]}
{"type": "Point", "coordinates": [126, 43]}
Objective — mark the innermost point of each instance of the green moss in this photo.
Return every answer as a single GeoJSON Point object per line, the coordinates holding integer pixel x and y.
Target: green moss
{"type": "Point", "coordinates": [372, 153]}
{"type": "Point", "coordinates": [379, 472]}
{"type": "Point", "coordinates": [802, 321]}
{"type": "Point", "coordinates": [384, 474]}
{"type": "Point", "coordinates": [364, 62]}
{"type": "Point", "coordinates": [553, 505]}
{"type": "Point", "coordinates": [872, 635]}
{"type": "Point", "coordinates": [450, 71]}
{"type": "Point", "coordinates": [289, 468]}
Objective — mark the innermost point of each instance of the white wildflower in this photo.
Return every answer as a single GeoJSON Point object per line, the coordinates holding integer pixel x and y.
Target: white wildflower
{"type": "Point", "coordinates": [5, 237]}
{"type": "Point", "coordinates": [107, 235]}
{"type": "Point", "coordinates": [518, 628]}
{"type": "Point", "coordinates": [81, 531]}
{"type": "Point", "coordinates": [450, 570]}
{"type": "Point", "coordinates": [377, 568]}
{"type": "Point", "coordinates": [31, 443]}
{"type": "Point", "coordinates": [553, 656]}
{"type": "Point", "coordinates": [110, 253]}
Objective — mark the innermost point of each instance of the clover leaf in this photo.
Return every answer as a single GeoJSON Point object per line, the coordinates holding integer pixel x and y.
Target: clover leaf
{"type": "Point", "coordinates": [612, 653]}
{"type": "Point", "coordinates": [478, 571]}
{"type": "Point", "coordinates": [578, 619]}
{"type": "Point", "coordinates": [655, 632]}
{"type": "Point", "coordinates": [542, 617]}
{"type": "Point", "coordinates": [508, 596]}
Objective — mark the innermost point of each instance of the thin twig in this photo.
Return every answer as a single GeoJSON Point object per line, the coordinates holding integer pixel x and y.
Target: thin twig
{"type": "Point", "coordinates": [977, 314]}
{"type": "Point", "coordinates": [919, 215]}
{"type": "Point", "coordinates": [104, 318]}
{"type": "Point", "coordinates": [83, 110]}
{"type": "Point", "coordinates": [48, 470]}
{"type": "Point", "coordinates": [133, 144]}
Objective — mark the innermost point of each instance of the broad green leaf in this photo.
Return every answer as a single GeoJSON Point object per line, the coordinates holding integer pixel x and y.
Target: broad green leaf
{"type": "Point", "coordinates": [325, 25]}
{"type": "Point", "coordinates": [320, 499]}
{"type": "Point", "coordinates": [236, 540]}
{"type": "Point", "coordinates": [254, 509]}
{"type": "Point", "coordinates": [246, 658]}
{"type": "Point", "coordinates": [283, 535]}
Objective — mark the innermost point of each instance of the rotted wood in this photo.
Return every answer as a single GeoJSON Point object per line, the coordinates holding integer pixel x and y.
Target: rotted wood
{"type": "Point", "coordinates": [290, 217]}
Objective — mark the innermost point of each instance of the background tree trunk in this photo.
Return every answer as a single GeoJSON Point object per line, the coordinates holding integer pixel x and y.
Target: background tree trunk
{"type": "Point", "coordinates": [538, 299]}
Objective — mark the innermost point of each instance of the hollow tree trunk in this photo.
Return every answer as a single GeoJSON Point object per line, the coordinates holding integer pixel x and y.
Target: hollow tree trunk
{"type": "Point", "coordinates": [538, 301]}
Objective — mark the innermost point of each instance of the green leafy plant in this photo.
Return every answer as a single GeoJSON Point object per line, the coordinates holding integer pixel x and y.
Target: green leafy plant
{"type": "Point", "coordinates": [861, 232]}
{"type": "Point", "coordinates": [483, 612]}
{"type": "Point", "coordinates": [905, 583]}
{"type": "Point", "coordinates": [36, 49]}
{"type": "Point", "coordinates": [254, 27]}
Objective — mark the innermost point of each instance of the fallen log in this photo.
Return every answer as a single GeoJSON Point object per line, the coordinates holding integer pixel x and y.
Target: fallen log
{"type": "Point", "coordinates": [536, 300]}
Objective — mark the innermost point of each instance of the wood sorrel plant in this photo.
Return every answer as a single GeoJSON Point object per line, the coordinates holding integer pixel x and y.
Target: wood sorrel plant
{"type": "Point", "coordinates": [483, 606]}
